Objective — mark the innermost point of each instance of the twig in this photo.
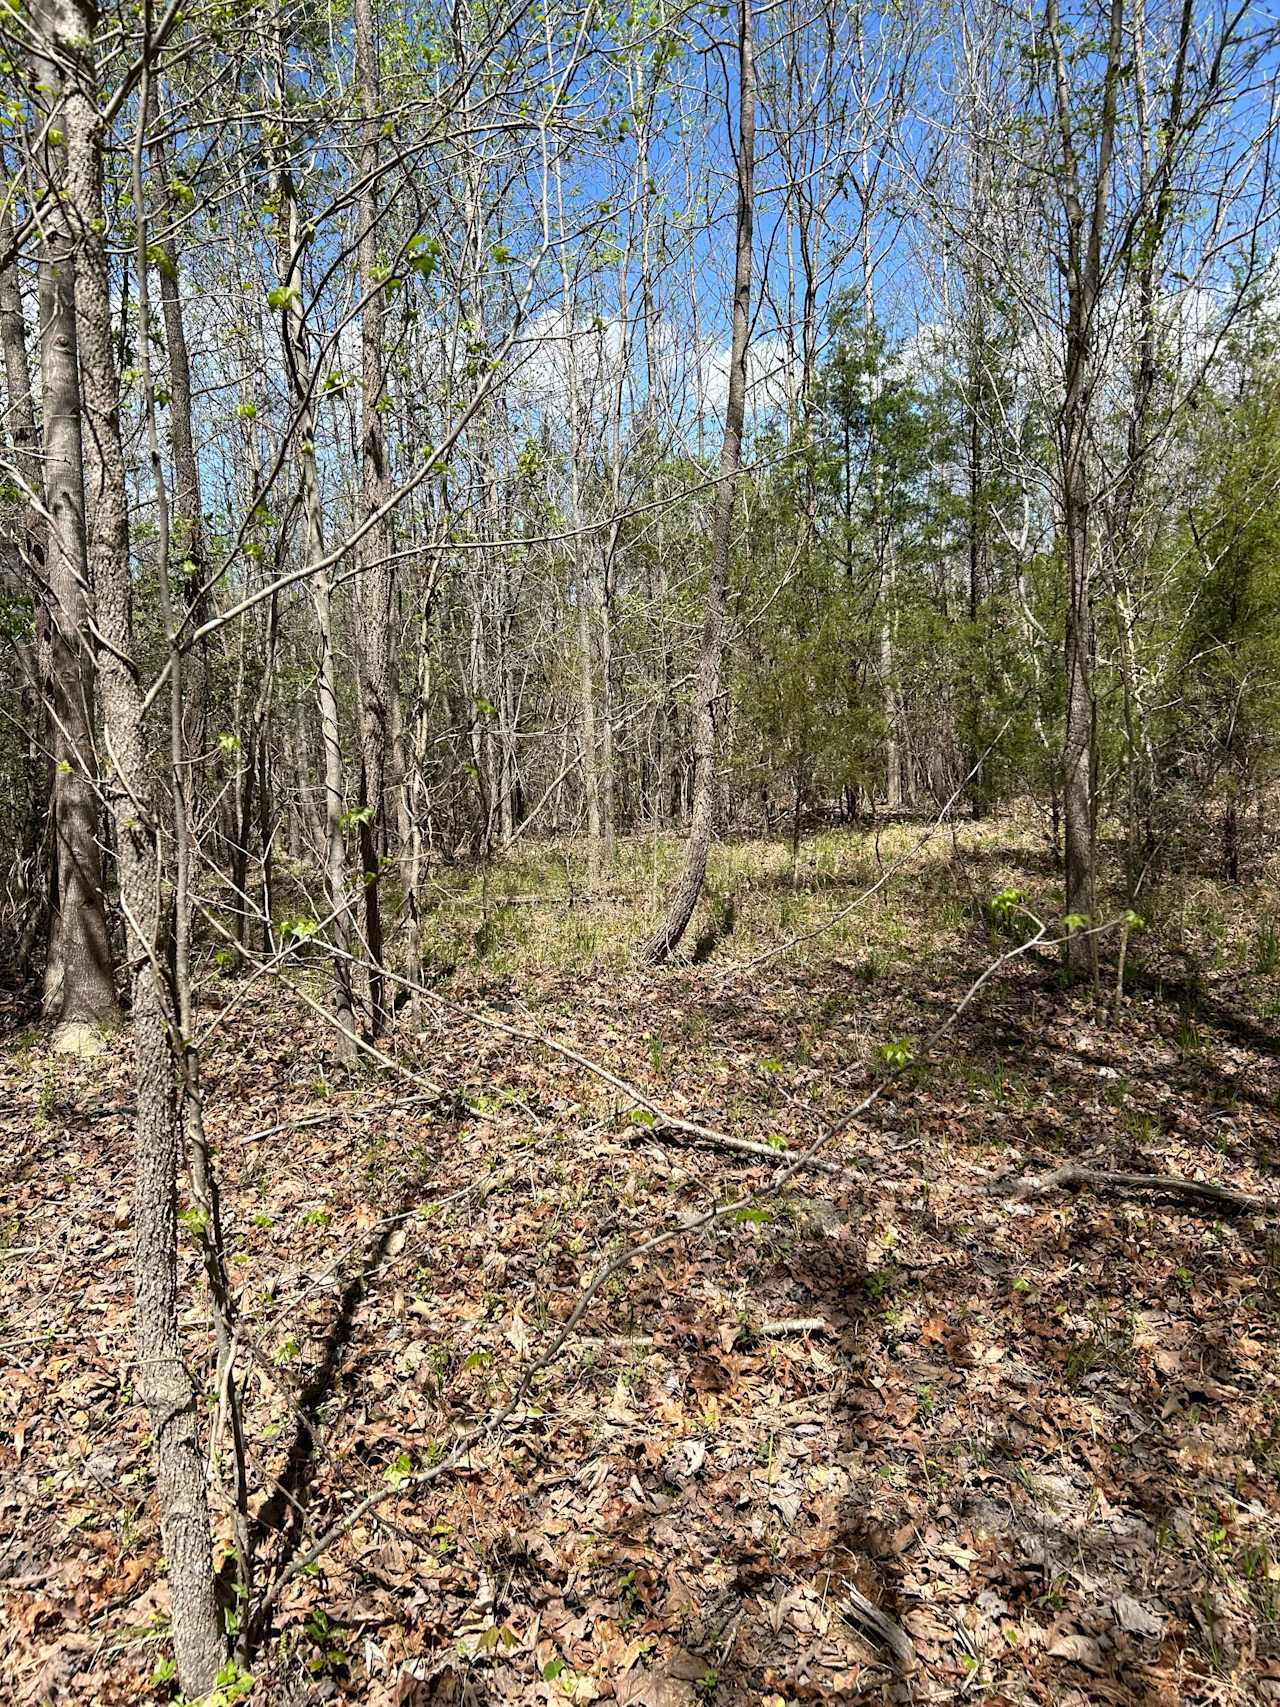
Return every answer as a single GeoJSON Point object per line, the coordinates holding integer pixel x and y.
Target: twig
{"type": "Point", "coordinates": [288, 1126]}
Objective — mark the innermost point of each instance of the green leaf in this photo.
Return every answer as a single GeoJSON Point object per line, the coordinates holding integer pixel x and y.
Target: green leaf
{"type": "Point", "coordinates": [160, 258]}
{"type": "Point", "coordinates": [282, 296]}
{"type": "Point", "coordinates": [398, 1472]}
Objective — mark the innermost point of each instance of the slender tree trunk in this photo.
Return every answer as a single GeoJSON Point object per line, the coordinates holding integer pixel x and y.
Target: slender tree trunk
{"type": "Point", "coordinates": [375, 576]}
{"type": "Point", "coordinates": [190, 1105]}
{"type": "Point", "coordinates": [888, 562]}
{"type": "Point", "coordinates": [1130, 534]}
{"type": "Point", "coordinates": [162, 1378]}
{"type": "Point", "coordinates": [27, 570]}
{"type": "Point", "coordinates": [682, 903]}
{"type": "Point", "coordinates": [590, 750]}
{"type": "Point", "coordinates": [22, 576]}
{"type": "Point", "coordinates": [296, 354]}
{"type": "Point", "coordinates": [188, 544]}
{"type": "Point", "coordinates": [608, 835]}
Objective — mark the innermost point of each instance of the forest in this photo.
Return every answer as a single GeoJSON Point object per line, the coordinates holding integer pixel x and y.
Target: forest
{"type": "Point", "coordinates": [640, 928]}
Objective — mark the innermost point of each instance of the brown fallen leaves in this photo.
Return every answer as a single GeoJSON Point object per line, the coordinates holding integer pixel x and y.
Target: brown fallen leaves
{"type": "Point", "coordinates": [1041, 1439]}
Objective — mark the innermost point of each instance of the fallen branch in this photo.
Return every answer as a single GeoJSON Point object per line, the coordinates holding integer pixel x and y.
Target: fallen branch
{"type": "Point", "coordinates": [663, 1122]}
{"type": "Point", "coordinates": [287, 1126]}
{"type": "Point", "coordinates": [1163, 1185]}
{"type": "Point", "coordinates": [781, 1329]}
{"type": "Point", "coordinates": [788, 1325]}
{"type": "Point", "coordinates": [867, 1617]}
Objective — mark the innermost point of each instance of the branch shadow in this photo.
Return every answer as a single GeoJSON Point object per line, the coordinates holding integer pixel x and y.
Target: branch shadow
{"type": "Point", "coordinates": [284, 1514]}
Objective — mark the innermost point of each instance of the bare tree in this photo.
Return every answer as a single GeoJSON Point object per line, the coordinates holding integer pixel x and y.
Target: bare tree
{"type": "Point", "coordinates": [711, 653]}
{"type": "Point", "coordinates": [1085, 194]}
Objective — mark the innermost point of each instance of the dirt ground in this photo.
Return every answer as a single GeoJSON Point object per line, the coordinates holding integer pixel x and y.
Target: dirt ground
{"type": "Point", "coordinates": [1041, 1438]}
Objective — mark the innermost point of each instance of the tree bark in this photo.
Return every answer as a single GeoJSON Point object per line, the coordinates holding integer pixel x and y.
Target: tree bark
{"type": "Point", "coordinates": [22, 574]}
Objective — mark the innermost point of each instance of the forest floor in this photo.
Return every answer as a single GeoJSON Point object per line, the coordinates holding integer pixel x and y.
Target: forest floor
{"type": "Point", "coordinates": [1041, 1436]}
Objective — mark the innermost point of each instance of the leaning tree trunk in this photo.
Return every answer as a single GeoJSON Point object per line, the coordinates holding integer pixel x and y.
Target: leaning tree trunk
{"type": "Point", "coordinates": [685, 898]}
{"type": "Point", "coordinates": [163, 1381]}
{"type": "Point", "coordinates": [79, 982]}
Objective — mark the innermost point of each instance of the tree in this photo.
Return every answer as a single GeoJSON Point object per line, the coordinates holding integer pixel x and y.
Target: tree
{"type": "Point", "coordinates": [375, 579]}
{"type": "Point", "coordinates": [163, 1379]}
{"type": "Point", "coordinates": [1085, 195]}
{"type": "Point", "coordinates": [710, 660]}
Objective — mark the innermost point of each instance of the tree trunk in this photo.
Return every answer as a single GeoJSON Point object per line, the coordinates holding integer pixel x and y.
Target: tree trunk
{"type": "Point", "coordinates": [375, 570]}
{"type": "Point", "coordinates": [22, 574]}
{"type": "Point", "coordinates": [188, 543]}
{"type": "Point", "coordinates": [297, 355]}
{"type": "Point", "coordinates": [590, 750]}
{"type": "Point", "coordinates": [1083, 269]}
{"type": "Point", "coordinates": [79, 983]}
{"type": "Point", "coordinates": [20, 422]}
{"type": "Point", "coordinates": [162, 1378]}
{"type": "Point", "coordinates": [680, 908]}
